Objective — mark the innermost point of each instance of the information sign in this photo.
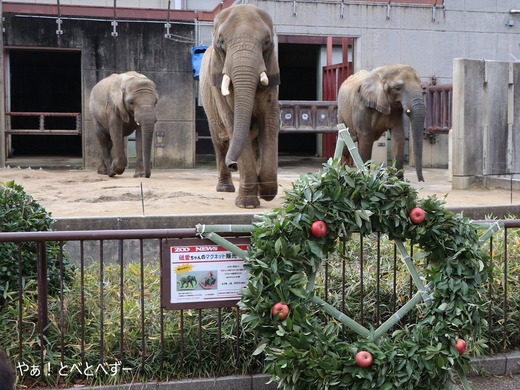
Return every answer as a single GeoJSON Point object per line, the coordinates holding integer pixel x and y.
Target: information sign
{"type": "Point", "coordinates": [197, 273]}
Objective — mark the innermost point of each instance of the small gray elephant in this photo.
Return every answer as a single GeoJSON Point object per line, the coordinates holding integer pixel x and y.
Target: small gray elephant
{"type": "Point", "coordinates": [121, 104]}
{"type": "Point", "coordinates": [239, 79]}
{"type": "Point", "coordinates": [369, 103]}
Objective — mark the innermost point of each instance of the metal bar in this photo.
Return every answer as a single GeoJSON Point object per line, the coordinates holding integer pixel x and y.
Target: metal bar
{"type": "Point", "coordinates": [161, 313]}
{"type": "Point", "coordinates": [409, 264]}
{"type": "Point", "coordinates": [82, 299]}
{"type": "Point", "coordinates": [121, 299]}
{"type": "Point", "coordinates": [43, 314]}
{"type": "Point", "coordinates": [505, 308]}
{"type": "Point", "coordinates": [141, 281]}
{"type": "Point", "coordinates": [41, 131]}
{"type": "Point", "coordinates": [62, 304]}
{"type": "Point", "coordinates": [101, 303]}
{"type": "Point", "coordinates": [237, 345]}
{"type": "Point", "coordinates": [378, 279]}
{"type": "Point", "coordinates": [361, 278]}
{"type": "Point", "coordinates": [219, 345]}
{"type": "Point", "coordinates": [20, 304]}
{"type": "Point", "coordinates": [42, 113]}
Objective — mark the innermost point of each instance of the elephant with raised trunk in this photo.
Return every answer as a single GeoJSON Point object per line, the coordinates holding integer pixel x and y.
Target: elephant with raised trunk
{"type": "Point", "coordinates": [369, 103]}
{"type": "Point", "coordinates": [121, 104]}
{"type": "Point", "coordinates": [239, 80]}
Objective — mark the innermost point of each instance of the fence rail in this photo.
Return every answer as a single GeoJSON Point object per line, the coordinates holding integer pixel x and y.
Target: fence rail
{"type": "Point", "coordinates": [438, 100]}
{"type": "Point", "coordinates": [39, 127]}
{"type": "Point", "coordinates": [112, 294]}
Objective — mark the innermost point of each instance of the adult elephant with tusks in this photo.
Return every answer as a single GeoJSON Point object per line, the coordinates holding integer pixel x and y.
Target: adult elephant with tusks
{"type": "Point", "coordinates": [121, 104]}
{"type": "Point", "coordinates": [369, 103]}
{"type": "Point", "coordinates": [239, 80]}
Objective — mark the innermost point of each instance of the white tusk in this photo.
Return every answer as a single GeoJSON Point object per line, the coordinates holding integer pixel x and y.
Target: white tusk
{"type": "Point", "coordinates": [263, 79]}
{"type": "Point", "coordinates": [224, 88]}
{"type": "Point", "coordinates": [137, 123]}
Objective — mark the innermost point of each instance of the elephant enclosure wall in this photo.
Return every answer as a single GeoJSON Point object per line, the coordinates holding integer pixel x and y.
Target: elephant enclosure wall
{"type": "Point", "coordinates": [140, 46]}
{"type": "Point", "coordinates": [486, 135]}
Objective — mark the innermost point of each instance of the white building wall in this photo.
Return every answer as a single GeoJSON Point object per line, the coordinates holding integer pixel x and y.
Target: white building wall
{"type": "Point", "coordinates": [425, 37]}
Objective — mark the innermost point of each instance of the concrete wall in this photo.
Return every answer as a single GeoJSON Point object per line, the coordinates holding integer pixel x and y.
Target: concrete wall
{"type": "Point", "coordinates": [426, 37]}
{"type": "Point", "coordinates": [486, 137]}
{"type": "Point", "coordinates": [139, 46]}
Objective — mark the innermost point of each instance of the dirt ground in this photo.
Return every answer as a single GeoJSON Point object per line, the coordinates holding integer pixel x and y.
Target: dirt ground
{"type": "Point", "coordinates": [76, 193]}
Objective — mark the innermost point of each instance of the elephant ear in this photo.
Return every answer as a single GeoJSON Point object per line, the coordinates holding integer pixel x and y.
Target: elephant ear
{"type": "Point", "coordinates": [271, 56]}
{"type": "Point", "coordinates": [217, 57]}
{"type": "Point", "coordinates": [373, 95]}
{"type": "Point", "coordinates": [271, 64]}
{"type": "Point", "coordinates": [216, 66]}
{"type": "Point", "coordinates": [118, 99]}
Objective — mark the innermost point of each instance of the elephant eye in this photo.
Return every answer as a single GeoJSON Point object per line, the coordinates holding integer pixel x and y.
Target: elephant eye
{"type": "Point", "coordinates": [267, 42]}
{"type": "Point", "coordinates": [220, 43]}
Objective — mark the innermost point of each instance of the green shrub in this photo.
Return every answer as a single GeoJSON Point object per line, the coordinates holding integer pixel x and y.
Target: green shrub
{"type": "Point", "coordinates": [19, 212]}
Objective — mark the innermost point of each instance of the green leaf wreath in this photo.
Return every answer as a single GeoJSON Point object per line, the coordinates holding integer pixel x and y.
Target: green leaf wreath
{"type": "Point", "coordinates": [309, 351]}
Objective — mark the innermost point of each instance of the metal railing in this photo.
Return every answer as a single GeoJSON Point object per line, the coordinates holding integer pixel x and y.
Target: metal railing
{"type": "Point", "coordinates": [438, 100]}
{"type": "Point", "coordinates": [139, 249]}
{"type": "Point", "coordinates": [39, 126]}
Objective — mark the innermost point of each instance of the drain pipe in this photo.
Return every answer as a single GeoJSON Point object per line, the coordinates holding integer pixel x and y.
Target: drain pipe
{"type": "Point", "coordinates": [114, 23]}
{"type": "Point", "coordinates": [59, 31]}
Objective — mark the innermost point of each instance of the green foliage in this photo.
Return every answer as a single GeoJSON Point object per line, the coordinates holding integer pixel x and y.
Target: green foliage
{"type": "Point", "coordinates": [186, 352]}
{"type": "Point", "coordinates": [20, 213]}
{"type": "Point", "coordinates": [309, 349]}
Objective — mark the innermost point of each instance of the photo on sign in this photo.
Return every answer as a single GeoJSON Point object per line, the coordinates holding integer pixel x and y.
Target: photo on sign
{"type": "Point", "coordinates": [197, 280]}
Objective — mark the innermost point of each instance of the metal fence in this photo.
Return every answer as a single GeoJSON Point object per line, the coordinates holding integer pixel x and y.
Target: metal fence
{"type": "Point", "coordinates": [112, 320]}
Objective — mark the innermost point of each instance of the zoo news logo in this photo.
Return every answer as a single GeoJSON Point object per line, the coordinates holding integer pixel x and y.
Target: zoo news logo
{"type": "Point", "coordinates": [196, 248]}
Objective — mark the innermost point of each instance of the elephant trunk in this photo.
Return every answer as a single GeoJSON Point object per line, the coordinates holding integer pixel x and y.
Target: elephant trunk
{"type": "Point", "coordinates": [417, 115]}
{"type": "Point", "coordinates": [147, 123]}
{"type": "Point", "coordinates": [244, 89]}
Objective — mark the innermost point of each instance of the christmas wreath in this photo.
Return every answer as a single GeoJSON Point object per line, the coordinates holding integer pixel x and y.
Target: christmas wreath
{"type": "Point", "coordinates": [289, 245]}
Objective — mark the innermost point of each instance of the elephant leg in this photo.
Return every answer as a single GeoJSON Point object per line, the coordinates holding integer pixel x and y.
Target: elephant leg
{"type": "Point", "coordinates": [119, 161]}
{"type": "Point", "coordinates": [398, 140]}
{"type": "Point", "coordinates": [365, 147]}
{"type": "Point", "coordinates": [106, 149]}
{"type": "Point", "coordinates": [225, 180]}
{"type": "Point", "coordinates": [248, 190]}
{"type": "Point", "coordinates": [268, 175]}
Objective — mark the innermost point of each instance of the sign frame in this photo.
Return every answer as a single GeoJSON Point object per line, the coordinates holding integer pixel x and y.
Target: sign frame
{"type": "Point", "coordinates": [167, 272]}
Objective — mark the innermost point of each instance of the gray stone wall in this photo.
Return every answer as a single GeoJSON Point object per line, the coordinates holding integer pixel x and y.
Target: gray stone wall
{"type": "Point", "coordinates": [486, 137]}
{"type": "Point", "coordinates": [139, 46]}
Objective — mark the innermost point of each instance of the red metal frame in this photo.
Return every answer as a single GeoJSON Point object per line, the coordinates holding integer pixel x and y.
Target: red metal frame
{"type": "Point", "coordinates": [333, 76]}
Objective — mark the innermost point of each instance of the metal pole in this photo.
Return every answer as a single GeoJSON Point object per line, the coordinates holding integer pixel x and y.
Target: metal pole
{"type": "Point", "coordinates": [43, 314]}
